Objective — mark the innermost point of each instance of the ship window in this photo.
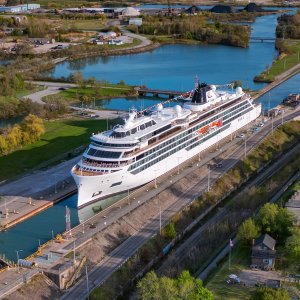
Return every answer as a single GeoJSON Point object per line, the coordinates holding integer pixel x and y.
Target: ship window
{"type": "Point", "coordinates": [134, 130]}
{"type": "Point", "coordinates": [103, 154]}
{"type": "Point", "coordinates": [116, 183]}
{"type": "Point", "coordinates": [128, 133]}
{"type": "Point", "coordinates": [142, 127]}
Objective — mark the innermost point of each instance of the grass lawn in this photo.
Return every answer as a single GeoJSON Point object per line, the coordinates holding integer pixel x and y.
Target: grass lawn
{"type": "Point", "coordinates": [286, 62]}
{"type": "Point", "coordinates": [240, 259]}
{"type": "Point", "coordinates": [61, 137]}
{"type": "Point", "coordinates": [106, 91]}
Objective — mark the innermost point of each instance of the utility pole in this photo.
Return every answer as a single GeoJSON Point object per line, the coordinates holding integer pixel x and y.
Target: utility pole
{"type": "Point", "coordinates": [178, 165]}
{"type": "Point", "coordinates": [269, 104]}
{"type": "Point", "coordinates": [18, 266]}
{"type": "Point", "coordinates": [208, 179]}
{"type": "Point", "coordinates": [87, 282]}
{"type": "Point", "coordinates": [74, 256]}
{"type": "Point", "coordinates": [159, 218]}
{"type": "Point", "coordinates": [245, 147]}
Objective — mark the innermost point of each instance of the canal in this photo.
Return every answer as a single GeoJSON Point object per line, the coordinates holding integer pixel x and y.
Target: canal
{"type": "Point", "coordinates": [168, 67]}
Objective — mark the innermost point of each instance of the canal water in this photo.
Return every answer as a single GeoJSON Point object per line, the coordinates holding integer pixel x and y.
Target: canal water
{"type": "Point", "coordinates": [168, 67]}
{"type": "Point", "coordinates": [175, 66]}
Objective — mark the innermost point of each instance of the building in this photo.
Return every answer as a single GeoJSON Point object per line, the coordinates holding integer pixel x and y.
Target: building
{"type": "Point", "coordinates": [130, 12]}
{"type": "Point", "coordinates": [136, 21]}
{"type": "Point", "coordinates": [19, 8]}
{"type": "Point", "coordinates": [263, 252]}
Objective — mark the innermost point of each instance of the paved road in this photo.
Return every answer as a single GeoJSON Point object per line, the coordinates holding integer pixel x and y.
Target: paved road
{"type": "Point", "coordinates": [121, 254]}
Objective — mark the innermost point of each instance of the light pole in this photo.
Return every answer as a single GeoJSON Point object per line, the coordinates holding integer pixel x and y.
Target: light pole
{"type": "Point", "coordinates": [74, 256]}
{"type": "Point", "coordinates": [87, 282]}
{"type": "Point", "coordinates": [245, 146]}
{"type": "Point", "coordinates": [52, 232]}
{"type": "Point", "coordinates": [282, 112]}
{"type": "Point", "coordinates": [272, 124]}
{"type": "Point", "coordinates": [18, 259]}
{"type": "Point", "coordinates": [269, 104]}
{"type": "Point", "coordinates": [208, 179]}
{"type": "Point", "coordinates": [178, 158]}
{"type": "Point", "coordinates": [128, 195]}
{"type": "Point", "coordinates": [82, 225]}
{"type": "Point", "coordinates": [155, 179]}
{"type": "Point", "coordinates": [199, 156]}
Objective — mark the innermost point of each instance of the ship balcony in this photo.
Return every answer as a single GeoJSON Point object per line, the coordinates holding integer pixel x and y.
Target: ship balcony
{"type": "Point", "coordinates": [106, 164]}
{"type": "Point", "coordinates": [78, 171]}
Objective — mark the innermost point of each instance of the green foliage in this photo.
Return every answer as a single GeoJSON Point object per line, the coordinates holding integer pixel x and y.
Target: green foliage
{"type": "Point", "coordinates": [266, 293]}
{"type": "Point", "coordinates": [197, 28]}
{"type": "Point", "coordinates": [248, 231]}
{"type": "Point", "coordinates": [288, 26]}
{"type": "Point", "coordinates": [169, 231]}
{"type": "Point", "coordinates": [293, 244]}
{"type": "Point", "coordinates": [184, 287]}
{"type": "Point", "coordinates": [275, 220]}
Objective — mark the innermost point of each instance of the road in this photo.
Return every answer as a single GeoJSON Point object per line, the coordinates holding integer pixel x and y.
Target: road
{"type": "Point", "coordinates": [122, 253]}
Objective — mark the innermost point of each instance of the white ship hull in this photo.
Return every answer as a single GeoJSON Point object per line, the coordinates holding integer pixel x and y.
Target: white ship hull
{"type": "Point", "coordinates": [91, 185]}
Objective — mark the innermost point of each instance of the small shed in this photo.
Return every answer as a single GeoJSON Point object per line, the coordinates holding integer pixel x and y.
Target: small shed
{"type": "Point", "coordinates": [263, 252]}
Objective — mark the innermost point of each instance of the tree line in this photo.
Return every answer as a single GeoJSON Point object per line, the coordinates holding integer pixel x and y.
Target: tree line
{"type": "Point", "coordinates": [185, 286]}
{"type": "Point", "coordinates": [29, 131]}
{"type": "Point", "coordinates": [196, 28]}
{"type": "Point", "coordinates": [288, 26]}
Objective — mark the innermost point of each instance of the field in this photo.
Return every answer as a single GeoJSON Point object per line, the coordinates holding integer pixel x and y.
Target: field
{"type": "Point", "coordinates": [61, 137]}
{"type": "Point", "coordinates": [105, 91]}
{"type": "Point", "coordinates": [240, 259]}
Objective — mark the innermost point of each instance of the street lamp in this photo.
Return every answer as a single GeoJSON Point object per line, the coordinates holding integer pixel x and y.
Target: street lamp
{"type": "Point", "coordinates": [208, 179]}
{"type": "Point", "coordinates": [155, 179]}
{"type": "Point", "coordinates": [245, 146]}
{"type": "Point", "coordinates": [18, 259]}
{"type": "Point", "coordinates": [178, 158]}
{"type": "Point", "coordinates": [82, 225]}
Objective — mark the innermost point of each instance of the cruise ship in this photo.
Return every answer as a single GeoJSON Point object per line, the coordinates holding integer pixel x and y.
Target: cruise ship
{"type": "Point", "coordinates": [148, 145]}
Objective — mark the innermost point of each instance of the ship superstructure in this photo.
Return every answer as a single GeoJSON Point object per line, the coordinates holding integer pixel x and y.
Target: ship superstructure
{"type": "Point", "coordinates": [147, 146]}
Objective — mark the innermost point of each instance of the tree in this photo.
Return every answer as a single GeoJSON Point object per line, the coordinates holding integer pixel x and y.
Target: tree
{"type": "Point", "coordinates": [148, 287]}
{"type": "Point", "coordinates": [267, 217]}
{"type": "Point", "coordinates": [293, 244]}
{"type": "Point", "coordinates": [169, 231]}
{"type": "Point", "coordinates": [184, 287]}
{"type": "Point", "coordinates": [266, 293]}
{"type": "Point", "coordinates": [248, 231]}
{"type": "Point", "coordinates": [277, 221]}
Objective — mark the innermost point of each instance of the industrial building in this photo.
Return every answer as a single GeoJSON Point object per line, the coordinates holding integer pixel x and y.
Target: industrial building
{"type": "Point", "coordinates": [19, 8]}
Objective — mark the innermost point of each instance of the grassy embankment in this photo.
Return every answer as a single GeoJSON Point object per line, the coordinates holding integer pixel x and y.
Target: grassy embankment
{"type": "Point", "coordinates": [103, 91]}
{"type": "Point", "coordinates": [60, 139]}
{"type": "Point", "coordinates": [240, 259]}
{"type": "Point", "coordinates": [287, 60]}
{"type": "Point", "coordinates": [238, 209]}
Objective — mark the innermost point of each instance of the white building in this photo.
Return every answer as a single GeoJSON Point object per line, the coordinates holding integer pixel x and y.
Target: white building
{"type": "Point", "coordinates": [130, 12]}
{"type": "Point", "coordinates": [19, 8]}
{"type": "Point", "coordinates": [136, 21]}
